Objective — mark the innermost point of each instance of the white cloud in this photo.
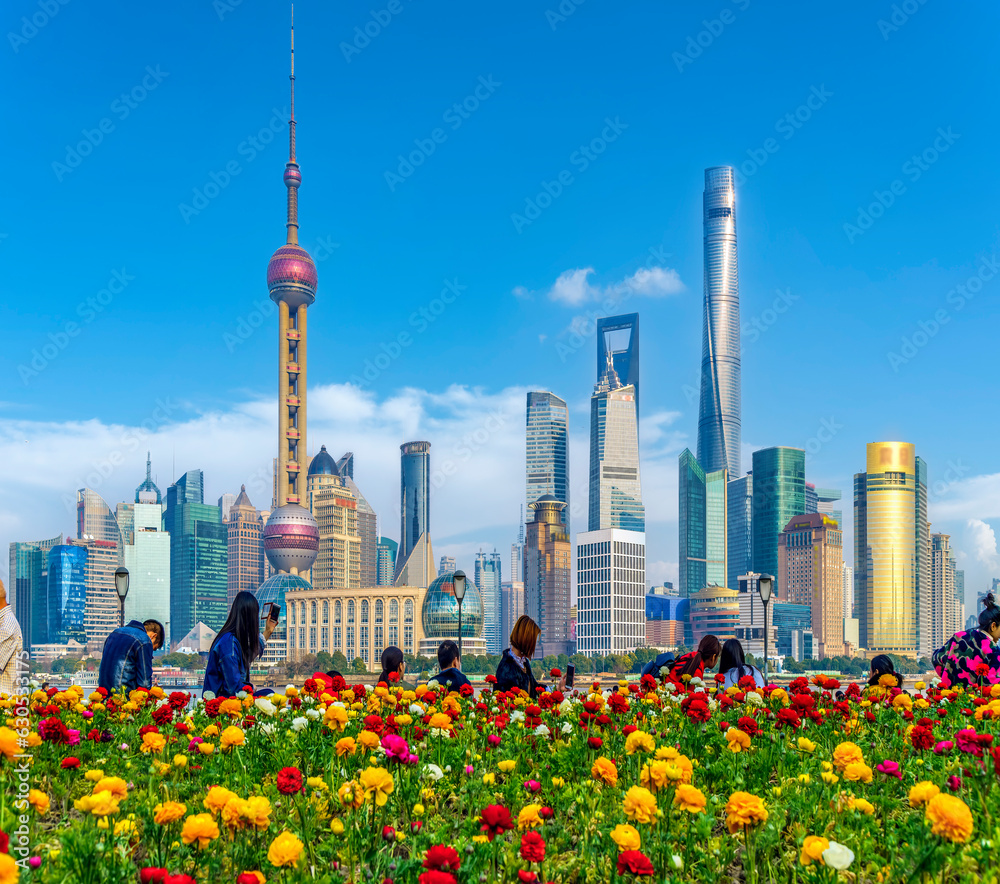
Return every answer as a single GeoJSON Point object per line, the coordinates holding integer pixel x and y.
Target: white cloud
{"type": "Point", "coordinates": [573, 287]}
{"type": "Point", "coordinates": [984, 542]}
{"type": "Point", "coordinates": [477, 462]}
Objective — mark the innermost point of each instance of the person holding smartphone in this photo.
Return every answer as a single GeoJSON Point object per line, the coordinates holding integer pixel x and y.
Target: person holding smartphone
{"type": "Point", "coordinates": [237, 645]}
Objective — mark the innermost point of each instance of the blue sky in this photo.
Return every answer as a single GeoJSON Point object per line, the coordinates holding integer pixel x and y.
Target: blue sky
{"type": "Point", "coordinates": [823, 109]}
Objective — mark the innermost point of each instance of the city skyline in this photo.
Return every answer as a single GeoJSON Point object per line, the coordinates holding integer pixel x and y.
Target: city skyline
{"type": "Point", "coordinates": [803, 281]}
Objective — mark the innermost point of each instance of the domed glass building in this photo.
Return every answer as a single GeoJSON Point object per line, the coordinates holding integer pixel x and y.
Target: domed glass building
{"type": "Point", "coordinates": [439, 616]}
{"type": "Point", "coordinates": [273, 590]}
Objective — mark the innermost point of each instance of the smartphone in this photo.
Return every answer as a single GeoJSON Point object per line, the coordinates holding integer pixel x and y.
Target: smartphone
{"type": "Point", "coordinates": [570, 673]}
{"type": "Point", "coordinates": [275, 612]}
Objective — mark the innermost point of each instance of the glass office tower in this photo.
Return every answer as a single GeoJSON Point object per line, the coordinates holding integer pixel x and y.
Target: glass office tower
{"type": "Point", "coordinates": [719, 415]}
{"type": "Point", "coordinates": [779, 492]}
{"type": "Point", "coordinates": [488, 579]}
{"type": "Point", "coordinates": [414, 496]}
{"type": "Point", "coordinates": [547, 451]}
{"type": "Point", "coordinates": [716, 546]}
{"type": "Point", "coordinates": [66, 601]}
{"type": "Point", "coordinates": [691, 522]}
{"type": "Point", "coordinates": [739, 533]}
{"type": "Point", "coordinates": [27, 588]}
{"type": "Point", "coordinates": [618, 337]}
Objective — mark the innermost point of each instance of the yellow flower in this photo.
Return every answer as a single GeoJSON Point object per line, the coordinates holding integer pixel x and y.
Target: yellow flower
{"type": "Point", "coordinates": [862, 804]}
{"type": "Point", "coordinates": [127, 827]}
{"type": "Point", "coordinates": [368, 739]}
{"type": "Point", "coordinates": [888, 680]}
{"type": "Point", "coordinates": [902, 701]}
{"type": "Point", "coordinates": [115, 785]}
{"type": "Point", "coordinates": [351, 795]}
{"type": "Point", "coordinates": [9, 870]}
{"type": "Point", "coordinates": [688, 798]}
{"type": "Point", "coordinates": [830, 778]}
{"type": "Point", "coordinates": [257, 812]}
{"type": "Point", "coordinates": [949, 817]}
{"type": "Point", "coordinates": [640, 804]}
{"type": "Point", "coordinates": [921, 793]}
{"type": "Point", "coordinates": [180, 761]}
{"type": "Point", "coordinates": [440, 720]}
{"type": "Point", "coordinates": [781, 696]}
{"type": "Point", "coordinates": [639, 741]}
{"type": "Point", "coordinates": [558, 782]}
{"type": "Point", "coordinates": [232, 706]}
{"type": "Point", "coordinates": [234, 812]}
{"type": "Point", "coordinates": [39, 800]}
{"type": "Point", "coordinates": [738, 740]}
{"type": "Point", "coordinates": [201, 828]}
{"type": "Point", "coordinates": [335, 717]}
{"type": "Point", "coordinates": [858, 770]}
{"type": "Point", "coordinates": [8, 745]}
{"type": "Point", "coordinates": [804, 778]}
{"type": "Point", "coordinates": [232, 736]}
{"type": "Point", "coordinates": [345, 746]}
{"type": "Point", "coordinates": [217, 798]}
{"type": "Point", "coordinates": [100, 804]}
{"type": "Point", "coordinates": [403, 720]}
{"type": "Point", "coordinates": [812, 850]}
{"type": "Point", "coordinates": [318, 783]}
{"type": "Point", "coordinates": [744, 809]}
{"type": "Point", "coordinates": [489, 779]}
{"type": "Point", "coordinates": [654, 775]}
{"type": "Point", "coordinates": [806, 745]}
{"type": "Point", "coordinates": [626, 837]}
{"type": "Point", "coordinates": [206, 748]}
{"type": "Point", "coordinates": [507, 765]}
{"type": "Point", "coordinates": [337, 827]}
{"type": "Point", "coordinates": [846, 753]}
{"type": "Point", "coordinates": [377, 784]}
{"type": "Point", "coordinates": [418, 810]}
{"type": "Point", "coordinates": [285, 850]}
{"type": "Point", "coordinates": [94, 776]}
{"type": "Point", "coordinates": [210, 731]}
{"type": "Point", "coordinates": [604, 771]}
{"type": "Point", "coordinates": [153, 742]}
{"type": "Point", "coordinates": [530, 816]}
{"type": "Point", "coordinates": [168, 812]}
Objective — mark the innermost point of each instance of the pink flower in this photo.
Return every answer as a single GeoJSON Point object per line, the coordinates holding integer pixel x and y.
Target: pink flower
{"type": "Point", "coordinates": [967, 742]}
{"type": "Point", "coordinates": [194, 743]}
{"type": "Point", "coordinates": [396, 747]}
{"type": "Point", "coordinates": [87, 713]}
{"type": "Point", "coordinates": [890, 769]}
{"type": "Point", "coordinates": [954, 783]}
{"type": "Point", "coordinates": [74, 739]}
{"type": "Point", "coordinates": [468, 770]}
{"type": "Point", "coordinates": [35, 862]}
{"type": "Point", "coordinates": [532, 785]}
{"type": "Point", "coordinates": [944, 747]}
{"type": "Point", "coordinates": [493, 740]}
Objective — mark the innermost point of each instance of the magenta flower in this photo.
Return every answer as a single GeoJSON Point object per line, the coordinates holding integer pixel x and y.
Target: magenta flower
{"type": "Point", "coordinates": [74, 738]}
{"type": "Point", "coordinates": [967, 742]}
{"type": "Point", "coordinates": [954, 783]}
{"type": "Point", "coordinates": [468, 770]}
{"type": "Point", "coordinates": [890, 769]}
{"type": "Point", "coordinates": [533, 785]}
{"type": "Point", "coordinates": [396, 747]}
{"type": "Point", "coordinates": [35, 862]}
{"type": "Point", "coordinates": [944, 747]}
{"type": "Point", "coordinates": [493, 740]}
{"type": "Point", "coordinates": [194, 743]}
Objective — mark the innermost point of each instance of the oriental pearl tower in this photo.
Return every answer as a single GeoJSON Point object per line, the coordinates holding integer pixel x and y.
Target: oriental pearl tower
{"type": "Point", "coordinates": [291, 535]}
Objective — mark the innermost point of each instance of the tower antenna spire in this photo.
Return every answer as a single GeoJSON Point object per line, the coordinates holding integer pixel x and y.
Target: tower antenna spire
{"type": "Point", "coordinates": [293, 176]}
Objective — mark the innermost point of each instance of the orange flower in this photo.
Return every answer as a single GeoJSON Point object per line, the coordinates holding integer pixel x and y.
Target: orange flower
{"type": "Point", "coordinates": [744, 809]}
{"type": "Point", "coordinates": [201, 828]}
{"type": "Point", "coordinates": [846, 753]}
{"type": "Point", "coordinates": [812, 850]}
{"type": "Point", "coordinates": [949, 817]}
{"type": "Point", "coordinates": [604, 771]}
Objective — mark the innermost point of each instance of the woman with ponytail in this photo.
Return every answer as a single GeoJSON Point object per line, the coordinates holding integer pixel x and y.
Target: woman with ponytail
{"type": "Point", "coordinates": [393, 667]}
{"type": "Point", "coordinates": [971, 658]}
{"type": "Point", "coordinates": [694, 663]}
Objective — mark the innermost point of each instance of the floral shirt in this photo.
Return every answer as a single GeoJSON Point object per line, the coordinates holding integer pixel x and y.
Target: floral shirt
{"type": "Point", "coordinates": [959, 662]}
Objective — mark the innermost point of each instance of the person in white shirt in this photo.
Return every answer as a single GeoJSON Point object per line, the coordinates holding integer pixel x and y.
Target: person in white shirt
{"type": "Point", "coordinates": [11, 645]}
{"type": "Point", "coordinates": [733, 665]}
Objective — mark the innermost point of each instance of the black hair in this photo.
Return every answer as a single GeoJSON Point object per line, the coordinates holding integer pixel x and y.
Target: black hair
{"type": "Point", "coordinates": [882, 665]}
{"type": "Point", "coordinates": [990, 613]}
{"type": "Point", "coordinates": [392, 657]}
{"type": "Point", "coordinates": [733, 658]}
{"type": "Point", "coordinates": [334, 674]}
{"type": "Point", "coordinates": [447, 652]}
{"type": "Point", "coordinates": [157, 627]}
{"type": "Point", "coordinates": [244, 623]}
{"type": "Point", "coordinates": [708, 647]}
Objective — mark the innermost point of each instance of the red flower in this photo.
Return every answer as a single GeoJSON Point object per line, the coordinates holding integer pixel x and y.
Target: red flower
{"type": "Point", "coordinates": [555, 673]}
{"type": "Point", "coordinates": [163, 715]}
{"type": "Point", "coordinates": [52, 730]}
{"type": "Point", "coordinates": [70, 763]}
{"type": "Point", "coordinates": [748, 725]}
{"type": "Point", "coordinates": [720, 677]}
{"type": "Point", "coordinates": [148, 729]}
{"type": "Point", "coordinates": [212, 707]}
{"type": "Point", "coordinates": [634, 862]}
{"type": "Point", "coordinates": [526, 877]}
{"type": "Point", "coordinates": [4, 842]}
{"type": "Point", "coordinates": [647, 683]}
{"type": "Point", "coordinates": [629, 729]}
{"type": "Point", "coordinates": [388, 833]}
{"type": "Point", "coordinates": [921, 737]}
{"type": "Point", "coordinates": [179, 879]}
{"type": "Point", "coordinates": [617, 703]}
{"type": "Point", "coordinates": [442, 858]}
{"type": "Point", "coordinates": [247, 878]}
{"type": "Point", "coordinates": [491, 679]}
{"type": "Point", "coordinates": [152, 875]}
{"type": "Point", "coordinates": [289, 780]}
{"type": "Point", "coordinates": [466, 690]}
{"type": "Point", "coordinates": [433, 876]}
{"type": "Point", "coordinates": [788, 718]}
{"type": "Point", "coordinates": [178, 699]}
{"type": "Point", "coordinates": [532, 847]}
{"type": "Point", "coordinates": [495, 820]}
{"type": "Point", "coordinates": [546, 813]}
{"type": "Point", "coordinates": [337, 683]}
{"type": "Point", "coordinates": [181, 728]}
{"type": "Point", "coordinates": [595, 742]}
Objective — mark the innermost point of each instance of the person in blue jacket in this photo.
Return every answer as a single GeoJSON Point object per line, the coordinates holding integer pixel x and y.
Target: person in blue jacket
{"type": "Point", "coordinates": [237, 645]}
{"type": "Point", "coordinates": [127, 660]}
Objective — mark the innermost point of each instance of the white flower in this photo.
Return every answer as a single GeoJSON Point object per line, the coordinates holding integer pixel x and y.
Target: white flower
{"type": "Point", "coordinates": [208, 695]}
{"type": "Point", "coordinates": [838, 856]}
{"type": "Point", "coordinates": [309, 700]}
{"type": "Point", "coordinates": [517, 715]}
{"type": "Point", "coordinates": [265, 706]}
{"type": "Point", "coordinates": [670, 687]}
{"type": "Point", "coordinates": [567, 728]}
{"type": "Point", "coordinates": [300, 723]}
{"type": "Point", "coordinates": [432, 772]}
{"type": "Point", "coordinates": [313, 714]}
{"type": "Point", "coordinates": [416, 709]}
{"type": "Point", "coordinates": [700, 689]}
{"type": "Point", "coordinates": [697, 681]}
{"type": "Point", "coordinates": [565, 706]}
{"type": "Point", "coordinates": [442, 734]}
{"type": "Point", "coordinates": [542, 731]}
{"type": "Point", "coordinates": [241, 695]}
{"type": "Point", "coordinates": [267, 728]}
{"type": "Point", "coordinates": [754, 699]}
{"type": "Point", "coordinates": [664, 671]}
{"type": "Point", "coordinates": [678, 862]}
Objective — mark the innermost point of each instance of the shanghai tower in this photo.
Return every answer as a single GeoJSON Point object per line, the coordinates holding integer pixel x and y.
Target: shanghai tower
{"type": "Point", "coordinates": [719, 414]}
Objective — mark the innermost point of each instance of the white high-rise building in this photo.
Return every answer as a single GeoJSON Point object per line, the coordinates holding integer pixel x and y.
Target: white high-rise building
{"type": "Point", "coordinates": [611, 590]}
{"type": "Point", "coordinates": [848, 592]}
{"type": "Point", "coordinates": [148, 561]}
{"type": "Point", "coordinates": [488, 581]}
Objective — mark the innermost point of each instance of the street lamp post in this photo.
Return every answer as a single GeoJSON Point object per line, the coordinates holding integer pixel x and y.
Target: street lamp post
{"type": "Point", "coordinates": [459, 582]}
{"type": "Point", "coordinates": [765, 584]}
{"type": "Point", "coordinates": [121, 587]}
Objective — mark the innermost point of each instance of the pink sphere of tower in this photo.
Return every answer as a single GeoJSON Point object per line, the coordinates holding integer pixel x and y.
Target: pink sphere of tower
{"type": "Point", "coordinates": [291, 538]}
{"type": "Point", "coordinates": [291, 276]}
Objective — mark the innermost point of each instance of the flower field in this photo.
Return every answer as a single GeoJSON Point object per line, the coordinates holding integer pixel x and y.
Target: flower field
{"type": "Point", "coordinates": [642, 783]}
